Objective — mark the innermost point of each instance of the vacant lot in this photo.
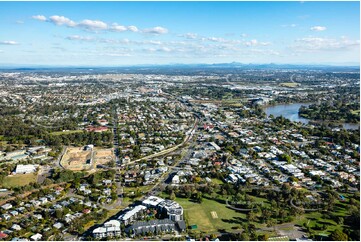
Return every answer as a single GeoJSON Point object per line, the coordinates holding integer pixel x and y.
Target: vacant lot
{"type": "Point", "coordinates": [103, 156]}
{"type": "Point", "coordinates": [19, 180]}
{"type": "Point", "coordinates": [76, 158]}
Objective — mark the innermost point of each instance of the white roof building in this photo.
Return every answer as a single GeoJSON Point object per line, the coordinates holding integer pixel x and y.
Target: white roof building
{"type": "Point", "coordinates": [16, 227]}
{"type": "Point", "coordinates": [131, 214]}
{"type": "Point", "coordinates": [175, 179]}
{"type": "Point", "coordinates": [110, 229]}
{"type": "Point", "coordinates": [58, 225]}
{"type": "Point", "coordinates": [36, 237]}
{"type": "Point", "coordinates": [152, 201]}
{"type": "Point", "coordinates": [6, 206]}
{"type": "Point", "coordinates": [25, 169]}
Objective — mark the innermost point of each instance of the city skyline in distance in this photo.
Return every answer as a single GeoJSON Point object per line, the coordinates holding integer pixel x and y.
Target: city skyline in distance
{"type": "Point", "coordinates": [161, 33]}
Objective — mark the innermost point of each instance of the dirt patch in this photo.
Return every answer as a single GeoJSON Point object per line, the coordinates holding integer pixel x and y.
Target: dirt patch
{"type": "Point", "coordinates": [214, 214]}
{"type": "Point", "coordinates": [76, 158]}
{"type": "Point", "coordinates": [103, 156]}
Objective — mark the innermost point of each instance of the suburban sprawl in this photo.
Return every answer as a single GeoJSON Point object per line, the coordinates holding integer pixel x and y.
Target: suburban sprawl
{"type": "Point", "coordinates": [180, 153]}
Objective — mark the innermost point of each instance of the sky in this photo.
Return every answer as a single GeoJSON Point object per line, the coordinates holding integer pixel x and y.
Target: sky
{"type": "Point", "coordinates": [134, 33]}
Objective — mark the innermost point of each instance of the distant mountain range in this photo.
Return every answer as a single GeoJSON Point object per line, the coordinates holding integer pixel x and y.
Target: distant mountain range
{"type": "Point", "coordinates": [236, 65]}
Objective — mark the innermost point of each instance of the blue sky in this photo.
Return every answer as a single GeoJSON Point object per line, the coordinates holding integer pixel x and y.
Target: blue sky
{"type": "Point", "coordinates": [130, 33]}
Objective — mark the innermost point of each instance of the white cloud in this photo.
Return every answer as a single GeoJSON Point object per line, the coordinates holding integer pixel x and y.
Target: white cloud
{"type": "Point", "coordinates": [150, 49]}
{"type": "Point", "coordinates": [165, 49]}
{"type": "Point", "coordinates": [289, 25]}
{"type": "Point", "coordinates": [96, 25]}
{"type": "Point", "coordinates": [244, 35]}
{"type": "Point", "coordinates": [156, 30]}
{"type": "Point", "coordinates": [82, 38]}
{"type": "Point", "coordinates": [20, 22]}
{"type": "Point", "coordinates": [39, 17]}
{"type": "Point", "coordinates": [215, 39]}
{"type": "Point", "coordinates": [117, 54]}
{"type": "Point", "coordinates": [255, 42]}
{"type": "Point", "coordinates": [132, 28]}
{"type": "Point", "coordinates": [93, 24]}
{"type": "Point", "coordinates": [265, 52]}
{"type": "Point", "coordinates": [318, 28]}
{"type": "Point", "coordinates": [315, 43]}
{"type": "Point", "coordinates": [61, 20]}
{"type": "Point", "coordinates": [8, 42]}
{"type": "Point", "coordinates": [153, 42]}
{"type": "Point", "coordinates": [189, 35]}
{"type": "Point", "coordinates": [118, 28]}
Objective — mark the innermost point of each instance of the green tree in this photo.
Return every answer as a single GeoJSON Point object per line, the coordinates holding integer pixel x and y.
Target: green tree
{"type": "Point", "coordinates": [338, 235]}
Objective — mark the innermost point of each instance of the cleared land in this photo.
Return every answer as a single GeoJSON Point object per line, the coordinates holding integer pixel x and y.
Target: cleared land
{"type": "Point", "coordinates": [19, 180]}
{"type": "Point", "coordinates": [103, 156]}
{"type": "Point", "coordinates": [76, 159]}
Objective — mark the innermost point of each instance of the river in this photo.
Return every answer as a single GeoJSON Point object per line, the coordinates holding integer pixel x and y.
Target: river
{"type": "Point", "coordinates": [290, 111]}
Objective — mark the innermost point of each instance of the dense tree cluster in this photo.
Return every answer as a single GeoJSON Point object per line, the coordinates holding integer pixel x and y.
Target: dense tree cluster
{"type": "Point", "coordinates": [338, 111]}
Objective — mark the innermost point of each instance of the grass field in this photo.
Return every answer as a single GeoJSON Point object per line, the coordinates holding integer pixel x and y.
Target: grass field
{"type": "Point", "coordinates": [315, 218]}
{"type": "Point", "coordinates": [289, 84]}
{"type": "Point", "coordinates": [19, 180]}
{"type": "Point", "coordinates": [66, 132]}
{"type": "Point", "coordinates": [141, 189]}
{"type": "Point", "coordinates": [201, 215]}
{"type": "Point", "coordinates": [217, 181]}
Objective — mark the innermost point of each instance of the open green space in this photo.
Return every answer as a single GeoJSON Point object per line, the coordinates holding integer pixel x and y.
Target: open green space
{"type": "Point", "coordinates": [289, 84]}
{"type": "Point", "coordinates": [141, 189]}
{"type": "Point", "coordinates": [217, 181]}
{"type": "Point", "coordinates": [19, 180]}
{"type": "Point", "coordinates": [315, 219]}
{"type": "Point", "coordinates": [210, 216]}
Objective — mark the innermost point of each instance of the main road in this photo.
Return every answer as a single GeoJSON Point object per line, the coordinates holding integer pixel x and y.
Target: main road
{"type": "Point", "coordinates": [174, 148]}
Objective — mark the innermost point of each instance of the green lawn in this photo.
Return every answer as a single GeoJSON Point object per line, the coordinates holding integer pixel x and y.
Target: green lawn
{"type": "Point", "coordinates": [141, 189]}
{"type": "Point", "coordinates": [66, 132]}
{"type": "Point", "coordinates": [315, 218]}
{"type": "Point", "coordinates": [289, 84]}
{"type": "Point", "coordinates": [217, 181]}
{"type": "Point", "coordinates": [201, 215]}
{"type": "Point", "coordinates": [19, 180]}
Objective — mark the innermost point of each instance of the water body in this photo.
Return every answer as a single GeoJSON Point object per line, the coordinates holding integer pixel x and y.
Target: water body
{"type": "Point", "coordinates": [290, 111]}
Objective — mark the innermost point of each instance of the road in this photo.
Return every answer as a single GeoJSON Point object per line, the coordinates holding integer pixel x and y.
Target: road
{"type": "Point", "coordinates": [162, 180]}
{"type": "Point", "coordinates": [115, 138]}
{"type": "Point", "coordinates": [58, 162]}
{"type": "Point", "coordinates": [170, 150]}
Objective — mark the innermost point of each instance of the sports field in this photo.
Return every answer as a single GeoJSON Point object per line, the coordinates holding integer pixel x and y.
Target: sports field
{"type": "Point", "coordinates": [210, 216]}
{"type": "Point", "coordinates": [19, 180]}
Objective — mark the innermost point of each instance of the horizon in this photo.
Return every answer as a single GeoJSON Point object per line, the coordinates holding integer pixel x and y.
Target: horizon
{"type": "Point", "coordinates": [109, 34]}
{"type": "Point", "coordinates": [35, 66]}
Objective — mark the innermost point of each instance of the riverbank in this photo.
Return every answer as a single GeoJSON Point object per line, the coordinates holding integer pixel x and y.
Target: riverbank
{"type": "Point", "coordinates": [290, 111]}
